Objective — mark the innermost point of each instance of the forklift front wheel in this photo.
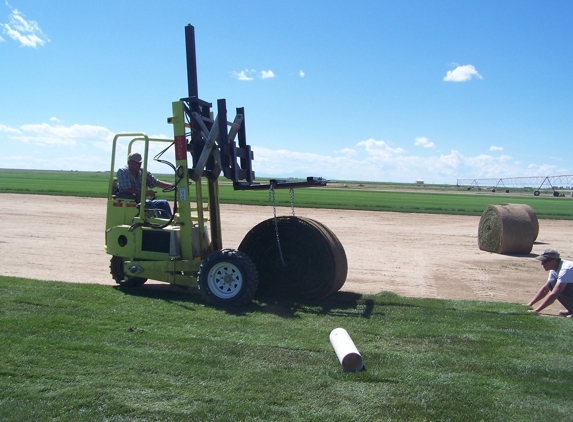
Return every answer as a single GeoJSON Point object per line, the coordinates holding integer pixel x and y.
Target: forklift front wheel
{"type": "Point", "coordinates": [228, 277]}
{"type": "Point", "coordinates": [117, 273]}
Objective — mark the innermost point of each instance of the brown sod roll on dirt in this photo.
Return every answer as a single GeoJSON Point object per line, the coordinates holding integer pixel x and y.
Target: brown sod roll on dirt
{"type": "Point", "coordinates": [507, 229]}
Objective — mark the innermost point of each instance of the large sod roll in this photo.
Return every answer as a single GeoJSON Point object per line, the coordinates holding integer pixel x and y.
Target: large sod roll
{"type": "Point", "coordinates": [310, 263]}
{"type": "Point", "coordinates": [508, 229]}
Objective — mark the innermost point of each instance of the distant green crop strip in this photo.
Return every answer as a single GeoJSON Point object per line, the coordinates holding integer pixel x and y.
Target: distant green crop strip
{"type": "Point", "coordinates": [451, 201]}
{"type": "Point", "coordinates": [433, 203]}
{"type": "Point", "coordinates": [90, 184]}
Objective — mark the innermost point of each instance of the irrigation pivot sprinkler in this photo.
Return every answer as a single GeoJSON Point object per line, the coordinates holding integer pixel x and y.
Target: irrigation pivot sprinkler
{"type": "Point", "coordinates": [283, 256]}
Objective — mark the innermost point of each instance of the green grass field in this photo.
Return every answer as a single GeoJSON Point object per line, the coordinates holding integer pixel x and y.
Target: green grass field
{"type": "Point", "coordinates": [443, 199]}
{"type": "Point", "coordinates": [73, 352]}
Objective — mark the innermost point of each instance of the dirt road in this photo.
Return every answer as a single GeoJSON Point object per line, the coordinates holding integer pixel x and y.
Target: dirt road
{"type": "Point", "coordinates": [421, 255]}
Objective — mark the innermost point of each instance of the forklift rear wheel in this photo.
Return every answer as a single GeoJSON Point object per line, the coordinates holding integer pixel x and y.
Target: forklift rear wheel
{"type": "Point", "coordinates": [117, 273]}
{"type": "Point", "coordinates": [228, 277]}
{"type": "Point", "coordinates": [310, 262]}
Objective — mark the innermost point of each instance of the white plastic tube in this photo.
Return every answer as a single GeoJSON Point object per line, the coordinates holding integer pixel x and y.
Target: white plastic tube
{"type": "Point", "coordinates": [345, 350]}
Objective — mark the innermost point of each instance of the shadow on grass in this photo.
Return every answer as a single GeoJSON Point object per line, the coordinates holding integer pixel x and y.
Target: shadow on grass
{"type": "Point", "coordinates": [179, 296]}
{"type": "Point", "coordinates": [341, 303]}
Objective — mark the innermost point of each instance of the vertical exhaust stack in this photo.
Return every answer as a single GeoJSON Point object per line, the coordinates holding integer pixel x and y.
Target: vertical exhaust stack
{"type": "Point", "coordinates": [191, 61]}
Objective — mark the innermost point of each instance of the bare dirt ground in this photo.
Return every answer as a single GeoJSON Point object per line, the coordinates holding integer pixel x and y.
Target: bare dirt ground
{"type": "Point", "coordinates": [420, 255]}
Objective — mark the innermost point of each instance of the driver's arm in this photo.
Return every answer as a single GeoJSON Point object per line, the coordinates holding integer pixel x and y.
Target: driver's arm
{"type": "Point", "coordinates": [163, 185]}
{"type": "Point", "coordinates": [557, 290]}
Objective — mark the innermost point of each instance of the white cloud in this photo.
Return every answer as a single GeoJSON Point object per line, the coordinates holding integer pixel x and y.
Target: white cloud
{"type": "Point", "coordinates": [44, 134]}
{"type": "Point", "coordinates": [244, 75]}
{"type": "Point", "coordinates": [8, 129]}
{"type": "Point", "coordinates": [494, 148]}
{"type": "Point", "coordinates": [350, 152]}
{"type": "Point", "coordinates": [301, 74]}
{"type": "Point", "coordinates": [543, 169]}
{"type": "Point", "coordinates": [162, 136]}
{"type": "Point", "coordinates": [87, 147]}
{"type": "Point", "coordinates": [54, 146]}
{"type": "Point", "coordinates": [267, 74]}
{"type": "Point", "coordinates": [249, 74]}
{"type": "Point", "coordinates": [424, 142]}
{"type": "Point", "coordinates": [379, 148]}
{"type": "Point", "coordinates": [285, 163]}
{"type": "Point", "coordinates": [27, 33]}
{"type": "Point", "coordinates": [54, 119]}
{"type": "Point", "coordinates": [462, 74]}
{"type": "Point", "coordinates": [373, 160]}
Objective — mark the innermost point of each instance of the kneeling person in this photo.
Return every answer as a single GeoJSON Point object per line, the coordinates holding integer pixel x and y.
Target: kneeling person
{"type": "Point", "coordinates": [559, 284]}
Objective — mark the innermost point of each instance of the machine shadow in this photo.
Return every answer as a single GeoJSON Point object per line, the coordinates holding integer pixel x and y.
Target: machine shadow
{"type": "Point", "coordinates": [341, 303]}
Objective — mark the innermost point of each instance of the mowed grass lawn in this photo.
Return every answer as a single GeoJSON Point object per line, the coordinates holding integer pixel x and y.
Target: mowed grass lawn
{"type": "Point", "coordinates": [73, 352]}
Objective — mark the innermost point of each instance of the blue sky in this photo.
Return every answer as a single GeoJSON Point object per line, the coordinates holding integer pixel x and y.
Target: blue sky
{"type": "Point", "coordinates": [390, 91]}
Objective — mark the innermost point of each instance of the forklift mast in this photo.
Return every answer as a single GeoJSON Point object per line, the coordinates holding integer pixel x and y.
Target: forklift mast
{"type": "Point", "coordinates": [216, 146]}
{"type": "Point", "coordinates": [213, 146]}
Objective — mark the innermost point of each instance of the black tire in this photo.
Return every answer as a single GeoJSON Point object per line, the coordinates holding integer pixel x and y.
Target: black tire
{"type": "Point", "coordinates": [228, 277]}
{"type": "Point", "coordinates": [536, 193]}
{"type": "Point", "coordinates": [117, 273]}
{"type": "Point", "coordinates": [315, 261]}
{"type": "Point", "coordinates": [555, 193]}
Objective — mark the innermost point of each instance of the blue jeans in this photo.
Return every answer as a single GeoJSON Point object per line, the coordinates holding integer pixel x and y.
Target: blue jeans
{"type": "Point", "coordinates": [161, 205]}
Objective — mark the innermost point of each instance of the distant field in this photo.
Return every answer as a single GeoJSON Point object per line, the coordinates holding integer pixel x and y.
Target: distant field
{"type": "Point", "coordinates": [438, 199]}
